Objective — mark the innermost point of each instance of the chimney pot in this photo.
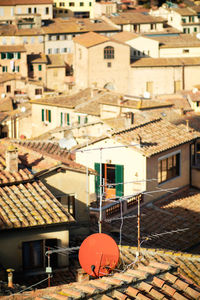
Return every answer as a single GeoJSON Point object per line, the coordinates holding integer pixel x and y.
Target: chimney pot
{"type": "Point", "coordinates": [12, 159]}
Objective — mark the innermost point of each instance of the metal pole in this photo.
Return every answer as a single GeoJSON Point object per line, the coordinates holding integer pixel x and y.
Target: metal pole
{"type": "Point", "coordinates": [87, 182]}
{"type": "Point", "coordinates": [49, 275]}
{"type": "Point", "coordinates": [100, 204]}
{"type": "Point", "coordinates": [138, 249]}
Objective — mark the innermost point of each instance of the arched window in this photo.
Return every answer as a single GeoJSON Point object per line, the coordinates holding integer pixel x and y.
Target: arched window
{"type": "Point", "coordinates": [109, 52]}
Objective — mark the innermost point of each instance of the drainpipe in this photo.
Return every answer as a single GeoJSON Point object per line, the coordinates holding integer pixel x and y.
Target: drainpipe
{"type": "Point", "coordinates": [183, 76]}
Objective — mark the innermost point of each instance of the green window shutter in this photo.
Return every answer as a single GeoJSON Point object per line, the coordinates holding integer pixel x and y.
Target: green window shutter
{"type": "Point", "coordinates": [61, 118]}
{"type": "Point", "coordinates": [3, 56]}
{"type": "Point", "coordinates": [86, 120]}
{"type": "Point", "coordinates": [40, 67]}
{"type": "Point", "coordinates": [79, 119]}
{"type": "Point", "coordinates": [18, 55]}
{"type": "Point", "coordinates": [119, 178]}
{"type": "Point", "coordinates": [97, 179]}
{"type": "Point", "coordinates": [49, 112]}
{"type": "Point", "coordinates": [42, 115]}
{"type": "Point", "coordinates": [68, 120]}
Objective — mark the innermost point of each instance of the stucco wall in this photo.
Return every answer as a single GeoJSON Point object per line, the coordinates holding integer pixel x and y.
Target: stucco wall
{"type": "Point", "coordinates": [177, 182]}
{"type": "Point", "coordinates": [11, 256]}
{"type": "Point", "coordinates": [133, 162]}
{"type": "Point", "coordinates": [195, 178]}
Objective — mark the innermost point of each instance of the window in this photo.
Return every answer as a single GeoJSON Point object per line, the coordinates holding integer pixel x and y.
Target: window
{"type": "Point", "coordinates": [90, 3]}
{"type": "Point", "coordinates": [108, 52]}
{"type": "Point", "coordinates": [16, 69]}
{"type": "Point", "coordinates": [183, 20]}
{"type": "Point", "coordinates": [81, 3]}
{"type": "Point", "coordinates": [46, 115]}
{"type": "Point", "coordinates": [12, 40]}
{"type": "Point", "coordinates": [4, 41]}
{"type": "Point", "coordinates": [40, 78]}
{"type": "Point", "coordinates": [62, 3]}
{"type": "Point", "coordinates": [1, 12]}
{"type": "Point", "coordinates": [40, 38]}
{"type": "Point", "coordinates": [4, 69]}
{"type": "Point", "coordinates": [3, 55]}
{"type": "Point", "coordinates": [24, 40]}
{"type": "Point", "coordinates": [39, 67]}
{"type": "Point", "coordinates": [186, 50]}
{"type": "Point", "coordinates": [19, 11]}
{"type": "Point", "coordinates": [71, 4]}
{"type": "Point", "coordinates": [8, 89]}
{"type": "Point", "coordinates": [49, 51]}
{"type": "Point", "coordinates": [168, 167]}
{"type": "Point", "coordinates": [195, 29]}
{"type": "Point", "coordinates": [57, 37]}
{"type": "Point", "coordinates": [68, 201]}
{"type": "Point", "coordinates": [46, 10]}
{"type": "Point", "coordinates": [35, 10]}
{"type": "Point", "coordinates": [29, 10]}
{"type": "Point", "coordinates": [38, 91]}
{"type": "Point", "coordinates": [109, 65]}
{"type": "Point", "coordinates": [64, 118]}
{"type": "Point", "coordinates": [33, 253]}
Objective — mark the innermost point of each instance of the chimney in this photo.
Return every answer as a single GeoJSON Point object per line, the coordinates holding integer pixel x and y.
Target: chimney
{"type": "Point", "coordinates": [187, 125]}
{"type": "Point", "coordinates": [10, 277]}
{"type": "Point", "coordinates": [82, 276]}
{"type": "Point", "coordinates": [12, 159]}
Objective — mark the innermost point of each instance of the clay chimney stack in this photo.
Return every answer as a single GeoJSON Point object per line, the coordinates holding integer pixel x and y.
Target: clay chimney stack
{"type": "Point", "coordinates": [12, 159]}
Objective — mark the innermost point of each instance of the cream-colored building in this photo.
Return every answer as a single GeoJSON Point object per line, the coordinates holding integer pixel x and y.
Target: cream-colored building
{"type": "Point", "coordinates": [104, 8]}
{"type": "Point", "coordinates": [163, 75]}
{"type": "Point", "coordinates": [59, 111]}
{"type": "Point", "coordinates": [137, 22]}
{"type": "Point", "coordinates": [74, 8]}
{"type": "Point", "coordinates": [101, 62]}
{"type": "Point", "coordinates": [186, 20]}
{"type": "Point", "coordinates": [143, 159]}
{"type": "Point", "coordinates": [10, 9]}
{"type": "Point", "coordinates": [52, 70]}
{"type": "Point", "coordinates": [13, 60]}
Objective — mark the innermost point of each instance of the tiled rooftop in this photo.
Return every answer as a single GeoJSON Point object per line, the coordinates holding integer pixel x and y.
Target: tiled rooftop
{"type": "Point", "coordinates": [176, 41]}
{"type": "Point", "coordinates": [30, 204]}
{"type": "Point", "coordinates": [187, 11]}
{"type": "Point", "coordinates": [26, 2]}
{"type": "Point", "coordinates": [55, 60]}
{"type": "Point", "coordinates": [65, 101]}
{"type": "Point", "coordinates": [124, 36]}
{"type": "Point", "coordinates": [161, 62]}
{"type": "Point", "coordinates": [169, 224]}
{"type": "Point", "coordinates": [90, 39]}
{"type": "Point", "coordinates": [153, 281]}
{"type": "Point", "coordinates": [135, 18]}
{"type": "Point", "coordinates": [13, 48]}
{"type": "Point", "coordinates": [155, 136]}
{"type": "Point", "coordinates": [188, 264]}
{"type": "Point", "coordinates": [43, 155]}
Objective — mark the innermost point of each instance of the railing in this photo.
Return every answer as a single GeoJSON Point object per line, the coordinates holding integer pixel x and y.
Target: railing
{"type": "Point", "coordinates": [124, 204]}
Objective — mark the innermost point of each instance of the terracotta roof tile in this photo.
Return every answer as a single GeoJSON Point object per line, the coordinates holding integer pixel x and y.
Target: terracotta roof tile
{"type": "Point", "coordinates": [13, 48]}
{"type": "Point", "coordinates": [90, 39]}
{"type": "Point", "coordinates": [133, 292]}
{"type": "Point", "coordinates": [161, 62]}
{"type": "Point", "coordinates": [119, 296]}
{"type": "Point", "coordinates": [26, 205]}
{"type": "Point", "coordinates": [24, 2]}
{"type": "Point", "coordinates": [155, 136]}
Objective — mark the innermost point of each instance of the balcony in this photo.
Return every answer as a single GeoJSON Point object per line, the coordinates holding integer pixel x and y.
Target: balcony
{"type": "Point", "coordinates": [116, 206]}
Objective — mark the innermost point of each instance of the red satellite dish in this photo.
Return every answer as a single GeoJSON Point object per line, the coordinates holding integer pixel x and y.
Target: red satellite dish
{"type": "Point", "coordinates": [98, 254]}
